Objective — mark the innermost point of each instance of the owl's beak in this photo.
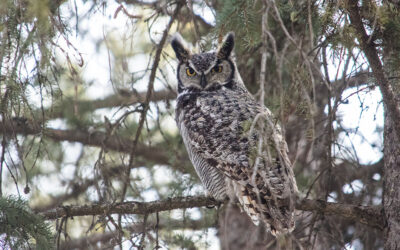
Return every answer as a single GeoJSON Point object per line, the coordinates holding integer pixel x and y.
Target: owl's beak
{"type": "Point", "coordinates": [203, 81]}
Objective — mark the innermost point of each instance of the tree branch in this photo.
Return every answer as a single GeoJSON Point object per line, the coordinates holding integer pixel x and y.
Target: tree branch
{"type": "Point", "coordinates": [350, 171]}
{"type": "Point", "coordinates": [130, 207]}
{"type": "Point", "coordinates": [371, 53]}
{"type": "Point", "coordinates": [77, 189]}
{"type": "Point", "coordinates": [97, 138]}
{"type": "Point", "coordinates": [367, 215]}
{"type": "Point", "coordinates": [159, 8]}
{"type": "Point", "coordinates": [79, 186]}
{"type": "Point", "coordinates": [168, 224]}
{"type": "Point", "coordinates": [115, 100]}
{"type": "Point", "coordinates": [354, 80]}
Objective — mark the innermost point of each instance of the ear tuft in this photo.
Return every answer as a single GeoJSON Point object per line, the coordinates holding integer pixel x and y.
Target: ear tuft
{"type": "Point", "coordinates": [227, 46]}
{"type": "Point", "coordinates": [179, 45]}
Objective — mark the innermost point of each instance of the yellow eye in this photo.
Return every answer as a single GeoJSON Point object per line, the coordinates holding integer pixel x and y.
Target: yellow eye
{"type": "Point", "coordinates": [217, 69]}
{"type": "Point", "coordinates": [190, 72]}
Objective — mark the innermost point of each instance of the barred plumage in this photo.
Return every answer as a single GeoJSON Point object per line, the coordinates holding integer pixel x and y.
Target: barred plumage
{"type": "Point", "coordinates": [233, 142]}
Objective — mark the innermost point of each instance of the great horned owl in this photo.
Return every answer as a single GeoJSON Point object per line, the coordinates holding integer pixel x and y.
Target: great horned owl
{"type": "Point", "coordinates": [234, 143]}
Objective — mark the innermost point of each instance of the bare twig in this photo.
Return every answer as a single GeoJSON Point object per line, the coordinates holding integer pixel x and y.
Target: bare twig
{"type": "Point", "coordinates": [149, 94]}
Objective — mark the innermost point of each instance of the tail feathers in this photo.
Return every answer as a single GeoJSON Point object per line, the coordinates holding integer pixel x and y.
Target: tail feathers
{"type": "Point", "coordinates": [248, 204]}
{"type": "Point", "coordinates": [278, 218]}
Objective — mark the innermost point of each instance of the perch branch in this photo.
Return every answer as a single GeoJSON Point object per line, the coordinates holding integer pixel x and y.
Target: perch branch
{"type": "Point", "coordinates": [130, 207]}
{"type": "Point", "coordinates": [367, 215]}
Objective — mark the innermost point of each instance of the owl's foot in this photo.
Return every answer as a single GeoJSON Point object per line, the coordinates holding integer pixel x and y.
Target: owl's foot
{"type": "Point", "coordinates": [210, 206]}
{"type": "Point", "coordinates": [208, 195]}
{"type": "Point", "coordinates": [220, 200]}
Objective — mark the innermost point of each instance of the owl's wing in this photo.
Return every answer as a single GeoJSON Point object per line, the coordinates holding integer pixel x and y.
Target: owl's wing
{"type": "Point", "coordinates": [212, 178]}
{"type": "Point", "coordinates": [242, 140]}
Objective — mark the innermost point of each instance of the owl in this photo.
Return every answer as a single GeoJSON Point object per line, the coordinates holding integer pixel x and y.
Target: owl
{"type": "Point", "coordinates": [234, 142]}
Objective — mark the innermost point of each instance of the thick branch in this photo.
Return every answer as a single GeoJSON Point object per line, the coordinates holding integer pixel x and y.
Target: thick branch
{"type": "Point", "coordinates": [371, 53]}
{"type": "Point", "coordinates": [355, 80]}
{"type": "Point", "coordinates": [368, 215]}
{"type": "Point", "coordinates": [130, 207]}
{"type": "Point", "coordinates": [115, 100]}
{"type": "Point", "coordinates": [97, 138]}
{"type": "Point", "coordinates": [349, 171]}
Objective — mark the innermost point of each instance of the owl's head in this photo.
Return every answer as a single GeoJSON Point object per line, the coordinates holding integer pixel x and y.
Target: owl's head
{"type": "Point", "coordinates": [205, 71]}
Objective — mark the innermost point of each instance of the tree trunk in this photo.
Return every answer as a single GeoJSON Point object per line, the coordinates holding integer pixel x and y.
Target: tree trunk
{"type": "Point", "coordinates": [237, 231]}
{"type": "Point", "coordinates": [391, 196]}
{"type": "Point", "coordinates": [391, 181]}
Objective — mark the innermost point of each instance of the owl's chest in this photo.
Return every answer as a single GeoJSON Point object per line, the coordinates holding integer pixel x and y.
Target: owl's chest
{"type": "Point", "coordinates": [215, 121]}
{"type": "Point", "coordinates": [213, 110]}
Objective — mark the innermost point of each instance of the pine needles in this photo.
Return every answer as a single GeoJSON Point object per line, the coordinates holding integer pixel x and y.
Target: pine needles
{"type": "Point", "coordinates": [242, 17]}
{"type": "Point", "coordinates": [20, 228]}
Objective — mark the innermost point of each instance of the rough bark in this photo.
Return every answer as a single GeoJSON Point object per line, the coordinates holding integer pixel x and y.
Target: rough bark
{"type": "Point", "coordinates": [391, 196]}
{"type": "Point", "coordinates": [129, 207]}
{"type": "Point", "coordinates": [391, 180]}
{"type": "Point", "coordinates": [368, 215]}
{"type": "Point", "coordinates": [236, 231]}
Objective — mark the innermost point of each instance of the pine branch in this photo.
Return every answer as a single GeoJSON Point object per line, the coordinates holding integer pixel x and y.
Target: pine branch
{"type": "Point", "coordinates": [96, 138]}
{"type": "Point", "coordinates": [355, 80]}
{"type": "Point", "coordinates": [157, 5]}
{"type": "Point", "coordinates": [375, 63]}
{"type": "Point", "coordinates": [367, 215]}
{"type": "Point", "coordinates": [115, 100]}
{"type": "Point", "coordinates": [130, 207]}
{"type": "Point", "coordinates": [20, 228]}
{"type": "Point", "coordinates": [349, 171]}
{"type": "Point", "coordinates": [166, 224]}
{"type": "Point", "coordinates": [146, 104]}
{"type": "Point", "coordinates": [80, 186]}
